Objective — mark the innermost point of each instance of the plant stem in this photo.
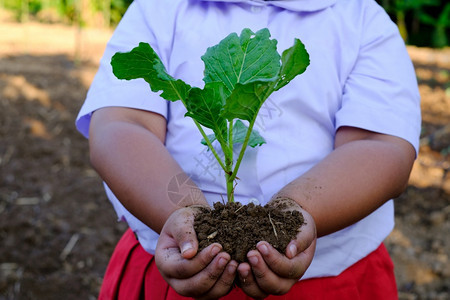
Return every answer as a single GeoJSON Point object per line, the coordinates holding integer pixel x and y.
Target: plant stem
{"type": "Point", "coordinates": [230, 188]}
{"type": "Point", "coordinates": [210, 146]}
{"type": "Point", "coordinates": [205, 137]}
{"type": "Point", "coordinates": [227, 167]}
{"type": "Point", "coordinates": [229, 164]}
{"type": "Point", "coordinates": [249, 131]}
{"type": "Point", "coordinates": [244, 146]}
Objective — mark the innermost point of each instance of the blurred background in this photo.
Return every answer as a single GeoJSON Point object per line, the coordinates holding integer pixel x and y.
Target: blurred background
{"type": "Point", "coordinates": [57, 229]}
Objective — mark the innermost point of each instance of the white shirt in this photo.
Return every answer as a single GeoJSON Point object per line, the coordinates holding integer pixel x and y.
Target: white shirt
{"type": "Point", "coordinates": [360, 75]}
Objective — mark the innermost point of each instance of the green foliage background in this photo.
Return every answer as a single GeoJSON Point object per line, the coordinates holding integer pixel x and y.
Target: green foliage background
{"type": "Point", "coordinates": [81, 12]}
{"type": "Point", "coordinates": [421, 22]}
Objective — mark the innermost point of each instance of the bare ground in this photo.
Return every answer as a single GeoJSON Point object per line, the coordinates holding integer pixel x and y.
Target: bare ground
{"type": "Point", "coordinates": [57, 229]}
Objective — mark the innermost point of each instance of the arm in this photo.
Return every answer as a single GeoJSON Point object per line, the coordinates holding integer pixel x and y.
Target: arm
{"type": "Point", "coordinates": [365, 170]}
{"type": "Point", "coordinates": [127, 150]}
{"type": "Point", "coordinates": [138, 168]}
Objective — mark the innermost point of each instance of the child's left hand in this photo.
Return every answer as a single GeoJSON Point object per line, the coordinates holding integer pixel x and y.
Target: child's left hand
{"type": "Point", "coordinates": [272, 273]}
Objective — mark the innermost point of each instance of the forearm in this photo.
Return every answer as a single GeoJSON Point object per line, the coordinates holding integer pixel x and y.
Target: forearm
{"type": "Point", "coordinates": [137, 167]}
{"type": "Point", "coordinates": [353, 181]}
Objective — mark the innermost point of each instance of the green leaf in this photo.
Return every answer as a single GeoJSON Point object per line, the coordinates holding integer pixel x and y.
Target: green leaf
{"type": "Point", "coordinates": [205, 106]}
{"type": "Point", "coordinates": [294, 60]}
{"type": "Point", "coordinates": [245, 101]}
{"type": "Point", "coordinates": [239, 133]}
{"type": "Point", "coordinates": [250, 57]}
{"type": "Point", "coordinates": [143, 62]}
{"type": "Point", "coordinates": [211, 137]}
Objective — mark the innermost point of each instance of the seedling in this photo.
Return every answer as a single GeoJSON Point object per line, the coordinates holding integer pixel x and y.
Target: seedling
{"type": "Point", "coordinates": [241, 72]}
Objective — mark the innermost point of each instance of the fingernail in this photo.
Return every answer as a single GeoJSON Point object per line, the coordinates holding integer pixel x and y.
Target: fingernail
{"type": "Point", "coordinates": [186, 247]}
{"type": "Point", "coordinates": [222, 262]}
{"type": "Point", "coordinates": [215, 250]}
{"type": "Point", "coordinates": [263, 249]}
{"type": "Point", "coordinates": [253, 260]}
{"type": "Point", "coordinates": [231, 268]}
{"type": "Point", "coordinates": [293, 250]}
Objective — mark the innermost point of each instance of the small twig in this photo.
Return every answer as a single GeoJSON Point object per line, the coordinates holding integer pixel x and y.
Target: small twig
{"type": "Point", "coordinates": [239, 209]}
{"type": "Point", "coordinates": [68, 248]}
{"type": "Point", "coordinates": [7, 156]}
{"type": "Point", "coordinates": [27, 201]}
{"type": "Point", "coordinates": [273, 226]}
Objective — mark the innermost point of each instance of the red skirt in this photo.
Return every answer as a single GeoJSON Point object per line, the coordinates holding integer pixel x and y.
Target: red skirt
{"type": "Point", "coordinates": [132, 275]}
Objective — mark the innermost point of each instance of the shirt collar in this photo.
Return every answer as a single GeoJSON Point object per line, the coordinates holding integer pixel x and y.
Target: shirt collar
{"type": "Point", "coordinates": [293, 5]}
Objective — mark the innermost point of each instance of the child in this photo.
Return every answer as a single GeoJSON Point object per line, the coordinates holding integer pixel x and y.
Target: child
{"type": "Point", "coordinates": [341, 141]}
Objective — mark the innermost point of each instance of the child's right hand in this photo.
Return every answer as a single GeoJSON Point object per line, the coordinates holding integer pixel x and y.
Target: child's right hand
{"type": "Point", "coordinates": [206, 275]}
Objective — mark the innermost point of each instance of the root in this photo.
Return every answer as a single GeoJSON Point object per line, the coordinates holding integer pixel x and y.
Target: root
{"type": "Point", "coordinates": [239, 209]}
{"type": "Point", "coordinates": [273, 226]}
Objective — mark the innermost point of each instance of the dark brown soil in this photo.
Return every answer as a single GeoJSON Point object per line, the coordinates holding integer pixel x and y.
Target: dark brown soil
{"type": "Point", "coordinates": [238, 228]}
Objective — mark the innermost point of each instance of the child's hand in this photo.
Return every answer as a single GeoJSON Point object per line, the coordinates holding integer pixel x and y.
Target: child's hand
{"type": "Point", "coordinates": [272, 273]}
{"type": "Point", "coordinates": [207, 275]}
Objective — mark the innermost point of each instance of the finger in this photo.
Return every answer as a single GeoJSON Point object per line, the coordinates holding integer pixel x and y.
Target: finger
{"type": "Point", "coordinates": [172, 264]}
{"type": "Point", "coordinates": [248, 283]}
{"type": "Point", "coordinates": [224, 284]}
{"type": "Point", "coordinates": [306, 235]}
{"type": "Point", "coordinates": [266, 279]}
{"type": "Point", "coordinates": [281, 265]}
{"type": "Point", "coordinates": [202, 282]}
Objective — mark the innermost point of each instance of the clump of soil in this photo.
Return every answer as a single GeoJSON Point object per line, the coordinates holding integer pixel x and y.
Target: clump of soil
{"type": "Point", "coordinates": [238, 228]}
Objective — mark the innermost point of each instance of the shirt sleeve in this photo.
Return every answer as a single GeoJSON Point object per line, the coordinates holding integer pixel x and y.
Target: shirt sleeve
{"type": "Point", "coordinates": [106, 90]}
{"type": "Point", "coordinates": [381, 92]}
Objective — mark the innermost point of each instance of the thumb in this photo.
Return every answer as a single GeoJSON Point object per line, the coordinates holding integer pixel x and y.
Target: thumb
{"type": "Point", "coordinates": [304, 239]}
{"type": "Point", "coordinates": [180, 226]}
{"type": "Point", "coordinates": [188, 246]}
